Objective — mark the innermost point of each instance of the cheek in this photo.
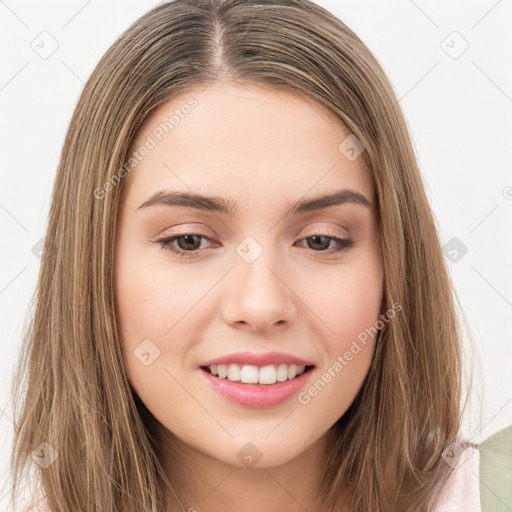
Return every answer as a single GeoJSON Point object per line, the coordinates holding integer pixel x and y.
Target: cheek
{"type": "Point", "coordinates": [144, 314]}
{"type": "Point", "coordinates": [348, 300]}
{"type": "Point", "coordinates": [161, 303]}
{"type": "Point", "coordinates": [347, 303]}
{"type": "Point", "coordinates": [151, 296]}
{"type": "Point", "coordinates": [355, 308]}
{"type": "Point", "coordinates": [140, 305]}
{"type": "Point", "coordinates": [155, 335]}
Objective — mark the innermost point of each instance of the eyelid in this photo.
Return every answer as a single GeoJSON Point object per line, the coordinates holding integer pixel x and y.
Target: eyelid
{"type": "Point", "coordinates": [209, 234]}
{"type": "Point", "coordinates": [327, 231]}
{"type": "Point", "coordinates": [186, 229]}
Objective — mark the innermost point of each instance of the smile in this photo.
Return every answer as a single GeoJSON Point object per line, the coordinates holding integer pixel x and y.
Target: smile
{"type": "Point", "coordinates": [257, 387]}
{"type": "Point", "coordinates": [251, 374]}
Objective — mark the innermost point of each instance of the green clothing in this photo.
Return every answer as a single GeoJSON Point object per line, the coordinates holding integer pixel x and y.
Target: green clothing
{"type": "Point", "coordinates": [496, 472]}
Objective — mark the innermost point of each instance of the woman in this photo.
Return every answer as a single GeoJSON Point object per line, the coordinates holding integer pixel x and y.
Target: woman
{"type": "Point", "coordinates": [243, 303]}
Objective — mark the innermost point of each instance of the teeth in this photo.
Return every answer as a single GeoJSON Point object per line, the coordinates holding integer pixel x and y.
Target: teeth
{"type": "Point", "coordinates": [267, 375]}
{"type": "Point", "coordinates": [250, 374]}
{"type": "Point", "coordinates": [282, 373]}
{"type": "Point", "coordinates": [233, 372]}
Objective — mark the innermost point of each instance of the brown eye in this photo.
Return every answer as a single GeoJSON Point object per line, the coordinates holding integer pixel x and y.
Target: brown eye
{"type": "Point", "coordinates": [190, 242]}
{"type": "Point", "coordinates": [319, 243]}
{"type": "Point", "coordinates": [186, 243]}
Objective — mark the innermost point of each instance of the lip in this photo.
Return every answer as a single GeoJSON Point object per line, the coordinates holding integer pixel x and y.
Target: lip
{"type": "Point", "coordinates": [258, 396]}
{"type": "Point", "coordinates": [264, 359]}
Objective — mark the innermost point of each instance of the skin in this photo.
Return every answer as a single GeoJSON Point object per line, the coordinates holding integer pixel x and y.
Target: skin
{"type": "Point", "coordinates": [265, 149]}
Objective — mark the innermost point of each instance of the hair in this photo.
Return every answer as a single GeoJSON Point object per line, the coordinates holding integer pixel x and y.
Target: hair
{"type": "Point", "coordinates": [70, 382]}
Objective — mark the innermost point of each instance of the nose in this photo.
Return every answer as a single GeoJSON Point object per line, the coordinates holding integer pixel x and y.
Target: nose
{"type": "Point", "coordinates": [259, 296]}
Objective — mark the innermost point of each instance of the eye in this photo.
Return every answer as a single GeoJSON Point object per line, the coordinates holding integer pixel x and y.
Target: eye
{"type": "Point", "coordinates": [321, 242]}
{"type": "Point", "coordinates": [189, 244]}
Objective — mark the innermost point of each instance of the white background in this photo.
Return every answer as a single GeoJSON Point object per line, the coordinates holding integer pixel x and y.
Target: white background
{"type": "Point", "coordinates": [459, 111]}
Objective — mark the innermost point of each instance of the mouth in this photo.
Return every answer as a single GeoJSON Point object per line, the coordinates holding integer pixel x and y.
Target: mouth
{"type": "Point", "coordinates": [260, 375]}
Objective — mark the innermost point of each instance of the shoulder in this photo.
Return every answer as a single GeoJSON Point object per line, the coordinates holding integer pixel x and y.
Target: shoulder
{"type": "Point", "coordinates": [481, 476]}
{"type": "Point", "coordinates": [461, 490]}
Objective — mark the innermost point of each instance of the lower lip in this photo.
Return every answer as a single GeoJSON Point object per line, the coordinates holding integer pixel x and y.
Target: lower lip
{"type": "Point", "coordinates": [257, 395]}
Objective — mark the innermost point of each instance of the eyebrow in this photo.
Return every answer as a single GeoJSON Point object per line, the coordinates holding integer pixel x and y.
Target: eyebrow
{"type": "Point", "coordinates": [228, 207]}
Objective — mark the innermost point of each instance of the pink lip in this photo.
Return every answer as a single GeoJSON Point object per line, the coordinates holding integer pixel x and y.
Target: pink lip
{"type": "Point", "coordinates": [257, 395]}
{"type": "Point", "coordinates": [265, 359]}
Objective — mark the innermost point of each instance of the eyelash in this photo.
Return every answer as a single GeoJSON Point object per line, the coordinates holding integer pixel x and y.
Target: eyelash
{"type": "Point", "coordinates": [344, 244]}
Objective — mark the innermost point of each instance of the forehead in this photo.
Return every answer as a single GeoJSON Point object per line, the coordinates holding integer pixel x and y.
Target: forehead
{"type": "Point", "coordinates": [253, 140]}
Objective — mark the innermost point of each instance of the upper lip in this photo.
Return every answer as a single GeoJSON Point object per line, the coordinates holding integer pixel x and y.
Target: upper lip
{"type": "Point", "coordinates": [264, 359]}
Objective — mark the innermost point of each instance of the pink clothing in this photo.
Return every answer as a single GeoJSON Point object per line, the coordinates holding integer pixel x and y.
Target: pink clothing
{"type": "Point", "coordinates": [461, 492]}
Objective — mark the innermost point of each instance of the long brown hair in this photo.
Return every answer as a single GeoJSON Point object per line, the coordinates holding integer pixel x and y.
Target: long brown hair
{"type": "Point", "coordinates": [71, 384]}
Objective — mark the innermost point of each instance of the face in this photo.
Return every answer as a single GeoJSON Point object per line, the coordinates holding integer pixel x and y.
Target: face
{"type": "Point", "coordinates": [257, 273]}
